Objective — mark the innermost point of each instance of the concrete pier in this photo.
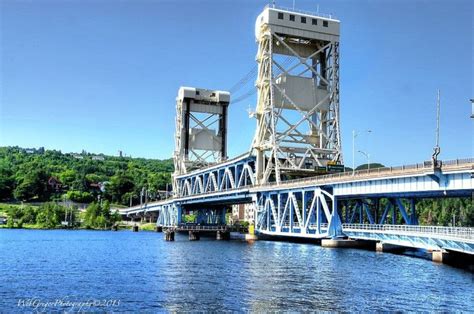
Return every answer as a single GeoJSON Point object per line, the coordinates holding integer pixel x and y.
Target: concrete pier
{"type": "Point", "coordinates": [223, 235]}
{"type": "Point", "coordinates": [194, 236]}
{"type": "Point", "coordinates": [342, 243]}
{"type": "Point", "coordinates": [440, 256]}
{"type": "Point", "coordinates": [385, 247]}
{"type": "Point", "coordinates": [250, 237]}
{"type": "Point", "coordinates": [169, 235]}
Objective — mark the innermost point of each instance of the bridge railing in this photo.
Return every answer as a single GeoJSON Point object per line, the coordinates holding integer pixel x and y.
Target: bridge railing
{"type": "Point", "coordinates": [193, 227]}
{"type": "Point", "coordinates": [349, 175]}
{"type": "Point", "coordinates": [455, 232]}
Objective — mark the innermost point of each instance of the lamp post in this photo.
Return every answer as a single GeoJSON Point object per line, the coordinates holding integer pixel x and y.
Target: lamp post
{"type": "Point", "coordinates": [367, 155]}
{"type": "Point", "coordinates": [354, 135]}
{"type": "Point", "coordinates": [472, 105]}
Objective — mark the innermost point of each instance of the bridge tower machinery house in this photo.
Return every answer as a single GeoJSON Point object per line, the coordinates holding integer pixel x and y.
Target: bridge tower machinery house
{"type": "Point", "coordinates": [297, 108]}
{"type": "Point", "coordinates": [201, 129]}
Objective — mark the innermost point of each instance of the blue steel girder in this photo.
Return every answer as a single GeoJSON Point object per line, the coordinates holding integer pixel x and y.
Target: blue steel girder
{"type": "Point", "coordinates": [310, 212]}
{"type": "Point", "coordinates": [220, 177]}
{"type": "Point", "coordinates": [367, 210]}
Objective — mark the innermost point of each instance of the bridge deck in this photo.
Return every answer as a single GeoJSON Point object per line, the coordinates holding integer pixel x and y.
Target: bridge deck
{"type": "Point", "coordinates": [459, 239]}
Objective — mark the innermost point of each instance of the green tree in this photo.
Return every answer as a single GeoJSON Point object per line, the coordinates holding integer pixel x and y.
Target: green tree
{"type": "Point", "coordinates": [118, 185]}
{"type": "Point", "coordinates": [6, 180]}
{"type": "Point", "coordinates": [32, 184]}
{"type": "Point", "coordinates": [50, 215]}
{"type": "Point", "coordinates": [68, 177]}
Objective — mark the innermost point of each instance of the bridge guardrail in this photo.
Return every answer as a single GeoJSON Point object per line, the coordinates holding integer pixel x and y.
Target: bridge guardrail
{"type": "Point", "coordinates": [405, 169]}
{"type": "Point", "coordinates": [455, 232]}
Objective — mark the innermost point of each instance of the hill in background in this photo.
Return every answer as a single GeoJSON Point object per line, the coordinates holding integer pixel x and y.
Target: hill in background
{"type": "Point", "coordinates": [46, 175]}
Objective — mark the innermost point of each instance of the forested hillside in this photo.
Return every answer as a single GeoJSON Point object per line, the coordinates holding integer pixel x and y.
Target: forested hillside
{"type": "Point", "coordinates": [38, 175]}
{"type": "Point", "coordinates": [46, 175]}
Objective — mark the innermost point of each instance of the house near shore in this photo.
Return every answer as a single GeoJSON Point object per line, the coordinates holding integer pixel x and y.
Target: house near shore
{"type": "Point", "coordinates": [54, 184]}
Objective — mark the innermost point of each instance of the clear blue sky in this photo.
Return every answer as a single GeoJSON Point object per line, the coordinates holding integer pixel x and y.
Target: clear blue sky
{"type": "Point", "coordinates": [103, 75]}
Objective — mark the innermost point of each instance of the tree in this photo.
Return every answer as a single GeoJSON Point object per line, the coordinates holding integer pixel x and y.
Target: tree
{"type": "Point", "coordinates": [6, 180]}
{"type": "Point", "coordinates": [80, 197]}
{"type": "Point", "coordinates": [118, 185]}
{"type": "Point", "coordinates": [68, 177]}
{"type": "Point", "coordinates": [50, 215]}
{"type": "Point", "coordinates": [372, 166]}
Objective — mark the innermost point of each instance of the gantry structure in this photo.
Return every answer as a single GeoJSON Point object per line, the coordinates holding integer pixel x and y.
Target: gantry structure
{"type": "Point", "coordinates": [297, 134]}
{"type": "Point", "coordinates": [201, 129]}
{"type": "Point", "coordinates": [297, 112]}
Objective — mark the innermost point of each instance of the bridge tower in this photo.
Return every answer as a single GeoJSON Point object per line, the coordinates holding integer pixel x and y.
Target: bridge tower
{"type": "Point", "coordinates": [298, 94]}
{"type": "Point", "coordinates": [201, 129]}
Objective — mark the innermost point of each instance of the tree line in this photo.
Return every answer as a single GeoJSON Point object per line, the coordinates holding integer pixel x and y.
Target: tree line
{"type": "Point", "coordinates": [52, 215]}
{"type": "Point", "coordinates": [39, 175]}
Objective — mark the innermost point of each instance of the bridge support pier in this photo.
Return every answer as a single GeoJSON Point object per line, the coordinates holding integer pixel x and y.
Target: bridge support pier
{"type": "Point", "coordinates": [386, 247]}
{"type": "Point", "coordinates": [439, 256]}
{"type": "Point", "coordinates": [223, 235]}
{"type": "Point", "coordinates": [169, 235]}
{"type": "Point", "coordinates": [194, 236]}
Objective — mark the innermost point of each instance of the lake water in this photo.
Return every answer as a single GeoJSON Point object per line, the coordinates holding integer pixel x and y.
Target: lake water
{"type": "Point", "coordinates": [125, 271]}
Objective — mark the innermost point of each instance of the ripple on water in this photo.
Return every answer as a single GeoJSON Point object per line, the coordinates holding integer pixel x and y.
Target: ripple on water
{"type": "Point", "coordinates": [146, 273]}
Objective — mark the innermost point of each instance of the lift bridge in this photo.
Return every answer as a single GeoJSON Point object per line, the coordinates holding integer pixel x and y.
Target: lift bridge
{"type": "Point", "coordinates": [291, 173]}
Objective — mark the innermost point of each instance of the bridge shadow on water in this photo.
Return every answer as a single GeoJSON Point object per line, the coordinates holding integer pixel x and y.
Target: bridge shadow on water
{"type": "Point", "coordinates": [455, 259]}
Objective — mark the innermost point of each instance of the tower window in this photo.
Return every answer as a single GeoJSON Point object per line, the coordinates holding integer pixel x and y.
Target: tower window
{"type": "Point", "coordinates": [280, 15]}
{"type": "Point", "coordinates": [292, 17]}
{"type": "Point", "coordinates": [303, 19]}
{"type": "Point", "coordinates": [325, 23]}
{"type": "Point", "coordinates": [315, 22]}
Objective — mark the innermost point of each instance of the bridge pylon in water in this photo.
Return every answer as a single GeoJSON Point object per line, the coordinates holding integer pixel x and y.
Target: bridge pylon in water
{"type": "Point", "coordinates": [298, 94]}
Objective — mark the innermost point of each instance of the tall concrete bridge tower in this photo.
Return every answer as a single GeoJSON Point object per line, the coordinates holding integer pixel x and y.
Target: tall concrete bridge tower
{"type": "Point", "coordinates": [298, 94]}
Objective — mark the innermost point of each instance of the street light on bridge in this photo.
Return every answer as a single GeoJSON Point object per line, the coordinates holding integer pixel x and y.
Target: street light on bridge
{"type": "Point", "coordinates": [367, 155]}
{"type": "Point", "coordinates": [354, 135]}
{"type": "Point", "coordinates": [472, 105]}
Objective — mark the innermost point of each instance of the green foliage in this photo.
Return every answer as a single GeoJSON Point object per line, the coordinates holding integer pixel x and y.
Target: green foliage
{"type": "Point", "coordinates": [80, 197]}
{"type": "Point", "coordinates": [24, 175]}
{"type": "Point", "coordinates": [98, 216]}
{"type": "Point", "coordinates": [366, 166]}
{"type": "Point", "coordinates": [446, 211]}
{"type": "Point", "coordinates": [50, 215]}
{"type": "Point", "coordinates": [453, 211]}
{"type": "Point", "coordinates": [31, 184]}
{"type": "Point", "coordinates": [6, 180]}
{"type": "Point", "coordinates": [190, 218]}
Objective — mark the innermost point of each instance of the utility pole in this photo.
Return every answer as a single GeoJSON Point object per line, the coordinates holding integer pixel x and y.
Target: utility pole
{"type": "Point", "coordinates": [436, 149]}
{"type": "Point", "coordinates": [472, 105]}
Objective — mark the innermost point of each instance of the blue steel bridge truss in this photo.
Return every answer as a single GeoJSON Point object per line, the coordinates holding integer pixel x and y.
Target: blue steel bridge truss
{"type": "Point", "coordinates": [323, 206]}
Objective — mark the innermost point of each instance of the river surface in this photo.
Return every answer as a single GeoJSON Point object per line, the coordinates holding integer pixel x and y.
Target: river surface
{"type": "Point", "coordinates": [124, 271]}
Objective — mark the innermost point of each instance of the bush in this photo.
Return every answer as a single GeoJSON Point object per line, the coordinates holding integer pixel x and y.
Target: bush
{"type": "Point", "coordinates": [80, 197]}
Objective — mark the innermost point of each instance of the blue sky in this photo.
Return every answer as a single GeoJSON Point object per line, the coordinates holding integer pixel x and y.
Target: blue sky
{"type": "Point", "coordinates": [103, 75]}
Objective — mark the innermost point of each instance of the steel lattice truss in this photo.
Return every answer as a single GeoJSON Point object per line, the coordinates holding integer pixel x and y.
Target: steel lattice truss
{"type": "Point", "coordinates": [238, 174]}
{"type": "Point", "coordinates": [295, 135]}
{"type": "Point", "coordinates": [304, 212]}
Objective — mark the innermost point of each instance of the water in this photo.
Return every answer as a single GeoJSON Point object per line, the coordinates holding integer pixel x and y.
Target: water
{"type": "Point", "coordinates": [140, 271]}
